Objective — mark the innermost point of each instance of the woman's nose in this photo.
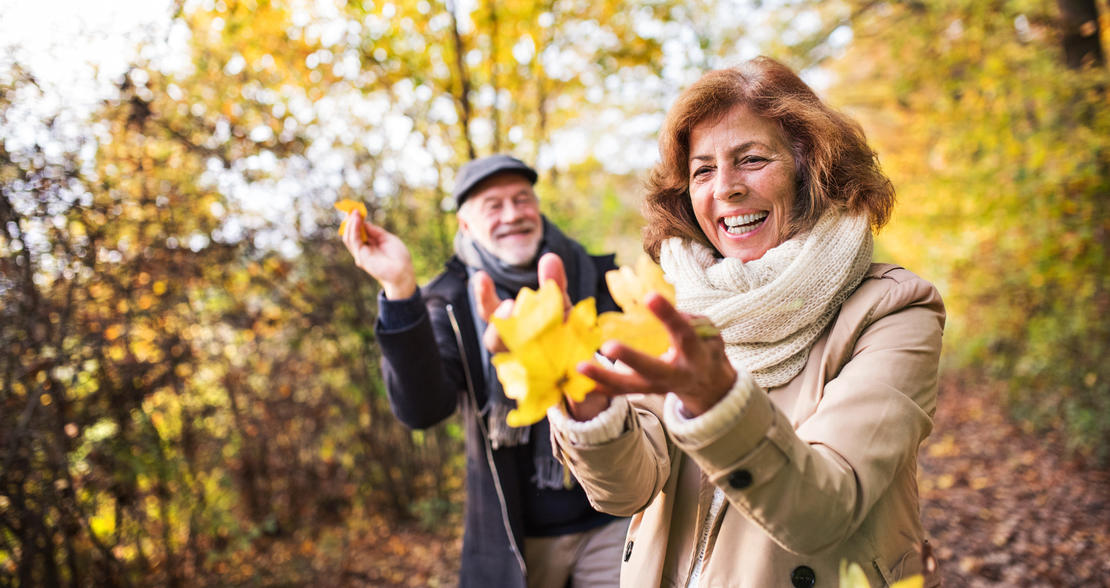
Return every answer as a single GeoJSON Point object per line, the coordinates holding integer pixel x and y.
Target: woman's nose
{"type": "Point", "coordinates": [728, 184]}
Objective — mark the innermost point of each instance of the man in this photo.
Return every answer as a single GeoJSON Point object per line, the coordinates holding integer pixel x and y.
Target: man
{"type": "Point", "coordinates": [527, 522]}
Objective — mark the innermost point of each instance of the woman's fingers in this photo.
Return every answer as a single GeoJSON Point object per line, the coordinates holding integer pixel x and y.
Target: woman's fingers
{"type": "Point", "coordinates": [696, 367]}
{"type": "Point", "coordinates": [659, 370]}
{"type": "Point", "coordinates": [645, 373]}
{"type": "Point", "coordinates": [611, 382]}
{"type": "Point", "coordinates": [684, 337]}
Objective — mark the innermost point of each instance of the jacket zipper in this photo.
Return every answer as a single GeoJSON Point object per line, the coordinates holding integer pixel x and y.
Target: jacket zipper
{"type": "Point", "coordinates": [703, 540]}
{"type": "Point", "coordinates": [485, 441]}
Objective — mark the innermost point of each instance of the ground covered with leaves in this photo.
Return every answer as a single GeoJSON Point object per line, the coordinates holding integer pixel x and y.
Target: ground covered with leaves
{"type": "Point", "coordinates": [405, 555]}
{"type": "Point", "coordinates": [1001, 506]}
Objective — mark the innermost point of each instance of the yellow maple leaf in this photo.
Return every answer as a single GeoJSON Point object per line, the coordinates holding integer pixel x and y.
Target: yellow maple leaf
{"type": "Point", "coordinates": [345, 206]}
{"type": "Point", "coordinates": [534, 311]}
{"type": "Point", "coordinates": [629, 286]}
{"type": "Point", "coordinates": [636, 327]}
{"type": "Point", "coordinates": [544, 351]}
{"type": "Point", "coordinates": [639, 329]}
{"type": "Point", "coordinates": [852, 576]}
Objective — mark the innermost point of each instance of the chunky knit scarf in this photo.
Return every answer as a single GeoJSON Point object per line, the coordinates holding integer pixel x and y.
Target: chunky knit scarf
{"type": "Point", "coordinates": [771, 310]}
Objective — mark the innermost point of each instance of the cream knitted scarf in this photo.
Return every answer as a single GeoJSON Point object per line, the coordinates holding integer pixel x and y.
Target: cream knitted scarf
{"type": "Point", "coordinates": [772, 309]}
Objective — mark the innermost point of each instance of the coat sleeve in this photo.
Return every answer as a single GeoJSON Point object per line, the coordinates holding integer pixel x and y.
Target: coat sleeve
{"type": "Point", "coordinates": [422, 367]}
{"type": "Point", "coordinates": [623, 475]}
{"type": "Point", "coordinates": [812, 487]}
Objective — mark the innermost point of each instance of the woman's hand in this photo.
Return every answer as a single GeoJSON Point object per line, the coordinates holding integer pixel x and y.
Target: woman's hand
{"type": "Point", "coordinates": [695, 368]}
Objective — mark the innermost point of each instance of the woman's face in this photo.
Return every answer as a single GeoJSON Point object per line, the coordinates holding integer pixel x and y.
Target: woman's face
{"type": "Point", "coordinates": [742, 182]}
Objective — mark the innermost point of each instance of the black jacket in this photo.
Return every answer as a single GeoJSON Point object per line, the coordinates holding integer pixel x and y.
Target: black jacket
{"type": "Point", "coordinates": [434, 367]}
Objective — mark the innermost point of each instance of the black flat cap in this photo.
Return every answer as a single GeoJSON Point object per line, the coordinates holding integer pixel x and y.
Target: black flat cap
{"type": "Point", "coordinates": [473, 172]}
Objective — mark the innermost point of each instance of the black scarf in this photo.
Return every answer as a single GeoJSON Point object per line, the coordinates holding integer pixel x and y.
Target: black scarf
{"type": "Point", "coordinates": [508, 279]}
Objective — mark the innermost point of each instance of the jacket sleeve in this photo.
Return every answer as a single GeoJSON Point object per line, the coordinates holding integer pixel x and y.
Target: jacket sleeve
{"type": "Point", "coordinates": [621, 476]}
{"type": "Point", "coordinates": [422, 367]}
{"type": "Point", "coordinates": [812, 487]}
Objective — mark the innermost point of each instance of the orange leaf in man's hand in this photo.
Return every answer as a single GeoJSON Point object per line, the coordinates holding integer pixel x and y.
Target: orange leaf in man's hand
{"type": "Point", "coordinates": [346, 206]}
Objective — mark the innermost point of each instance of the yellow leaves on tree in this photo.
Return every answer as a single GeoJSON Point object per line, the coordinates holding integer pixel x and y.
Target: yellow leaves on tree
{"type": "Point", "coordinates": [636, 327]}
{"type": "Point", "coordinates": [545, 346]}
{"type": "Point", "coordinates": [346, 206]}
{"type": "Point", "coordinates": [544, 350]}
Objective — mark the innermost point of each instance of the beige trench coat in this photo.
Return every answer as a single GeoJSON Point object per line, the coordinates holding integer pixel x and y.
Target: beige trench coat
{"type": "Point", "coordinates": [819, 470]}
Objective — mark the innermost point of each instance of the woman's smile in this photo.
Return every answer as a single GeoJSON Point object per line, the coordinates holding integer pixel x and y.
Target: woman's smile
{"type": "Point", "coordinates": [744, 224]}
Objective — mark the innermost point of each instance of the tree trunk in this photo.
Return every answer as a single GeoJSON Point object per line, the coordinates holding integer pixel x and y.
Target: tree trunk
{"type": "Point", "coordinates": [464, 81]}
{"type": "Point", "coordinates": [495, 116]}
{"type": "Point", "coordinates": [1080, 33]}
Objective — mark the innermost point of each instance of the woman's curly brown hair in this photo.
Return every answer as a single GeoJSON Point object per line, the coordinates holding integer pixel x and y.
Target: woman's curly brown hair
{"type": "Point", "coordinates": [834, 166]}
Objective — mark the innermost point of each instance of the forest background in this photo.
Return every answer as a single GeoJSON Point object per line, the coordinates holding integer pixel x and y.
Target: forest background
{"type": "Point", "coordinates": [189, 385]}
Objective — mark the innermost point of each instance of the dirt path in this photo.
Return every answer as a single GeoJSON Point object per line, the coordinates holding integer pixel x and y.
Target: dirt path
{"type": "Point", "coordinates": [1002, 509]}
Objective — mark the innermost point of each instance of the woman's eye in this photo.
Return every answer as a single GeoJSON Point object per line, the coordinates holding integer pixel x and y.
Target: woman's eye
{"type": "Point", "coordinates": [700, 172]}
{"type": "Point", "coordinates": [753, 159]}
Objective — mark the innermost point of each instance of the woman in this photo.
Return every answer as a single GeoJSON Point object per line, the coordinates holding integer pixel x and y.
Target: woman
{"type": "Point", "coordinates": [782, 439]}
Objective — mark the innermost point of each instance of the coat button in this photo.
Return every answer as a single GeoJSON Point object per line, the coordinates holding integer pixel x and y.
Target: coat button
{"type": "Point", "coordinates": [740, 479]}
{"type": "Point", "coordinates": [803, 577]}
{"type": "Point", "coordinates": [628, 551]}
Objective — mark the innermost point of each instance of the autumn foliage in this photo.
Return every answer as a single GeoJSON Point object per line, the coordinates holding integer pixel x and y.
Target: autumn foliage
{"type": "Point", "coordinates": [189, 387]}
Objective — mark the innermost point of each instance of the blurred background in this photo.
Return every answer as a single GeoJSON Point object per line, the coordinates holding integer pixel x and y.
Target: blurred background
{"type": "Point", "coordinates": [189, 386]}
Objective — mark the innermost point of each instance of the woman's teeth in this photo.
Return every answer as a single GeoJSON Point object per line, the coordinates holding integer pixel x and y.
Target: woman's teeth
{"type": "Point", "coordinates": [744, 223]}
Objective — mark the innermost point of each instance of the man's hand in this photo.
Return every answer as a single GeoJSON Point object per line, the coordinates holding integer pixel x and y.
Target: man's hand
{"type": "Point", "coordinates": [485, 294]}
{"type": "Point", "coordinates": [382, 255]}
{"type": "Point", "coordinates": [550, 268]}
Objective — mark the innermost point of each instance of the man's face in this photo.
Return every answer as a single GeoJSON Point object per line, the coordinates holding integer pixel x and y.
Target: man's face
{"type": "Point", "coordinates": [502, 214]}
